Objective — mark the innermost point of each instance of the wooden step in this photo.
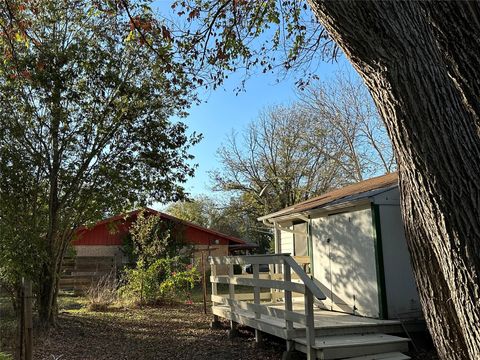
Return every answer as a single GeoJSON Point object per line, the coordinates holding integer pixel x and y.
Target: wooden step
{"type": "Point", "coordinates": [384, 356]}
{"type": "Point", "coordinates": [393, 327]}
{"type": "Point", "coordinates": [348, 346]}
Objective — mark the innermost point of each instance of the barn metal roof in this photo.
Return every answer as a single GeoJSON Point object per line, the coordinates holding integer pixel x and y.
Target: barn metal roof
{"type": "Point", "coordinates": [134, 213]}
{"type": "Point", "coordinates": [361, 190]}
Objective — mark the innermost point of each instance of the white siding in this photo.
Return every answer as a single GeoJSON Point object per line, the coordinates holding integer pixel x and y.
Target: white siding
{"type": "Point", "coordinates": [344, 261]}
{"type": "Point", "coordinates": [401, 291]}
{"type": "Point", "coordinates": [321, 259]}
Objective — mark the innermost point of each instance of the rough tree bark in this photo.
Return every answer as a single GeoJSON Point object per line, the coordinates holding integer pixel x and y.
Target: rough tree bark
{"type": "Point", "coordinates": [420, 63]}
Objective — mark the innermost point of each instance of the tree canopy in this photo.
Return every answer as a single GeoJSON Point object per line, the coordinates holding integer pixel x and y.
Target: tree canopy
{"type": "Point", "coordinates": [233, 215]}
{"type": "Point", "coordinates": [85, 102]}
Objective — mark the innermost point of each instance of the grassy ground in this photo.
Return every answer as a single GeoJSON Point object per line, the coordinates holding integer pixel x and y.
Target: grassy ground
{"type": "Point", "coordinates": [175, 331]}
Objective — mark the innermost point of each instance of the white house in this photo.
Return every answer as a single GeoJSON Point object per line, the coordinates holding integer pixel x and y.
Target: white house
{"type": "Point", "coordinates": [356, 243]}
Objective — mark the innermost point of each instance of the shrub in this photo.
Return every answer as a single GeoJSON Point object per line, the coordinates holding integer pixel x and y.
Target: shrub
{"type": "Point", "coordinates": [165, 279]}
{"type": "Point", "coordinates": [152, 237]}
{"type": "Point", "coordinates": [103, 293]}
{"type": "Point", "coordinates": [5, 356]}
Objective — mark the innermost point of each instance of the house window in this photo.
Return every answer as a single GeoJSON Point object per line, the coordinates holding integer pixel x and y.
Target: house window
{"type": "Point", "coordinates": [300, 240]}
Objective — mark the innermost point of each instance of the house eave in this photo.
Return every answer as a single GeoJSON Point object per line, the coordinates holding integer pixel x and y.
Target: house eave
{"type": "Point", "coordinates": [315, 212]}
{"type": "Point", "coordinates": [289, 213]}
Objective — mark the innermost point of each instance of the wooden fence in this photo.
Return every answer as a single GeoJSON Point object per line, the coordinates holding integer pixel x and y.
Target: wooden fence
{"type": "Point", "coordinates": [81, 272]}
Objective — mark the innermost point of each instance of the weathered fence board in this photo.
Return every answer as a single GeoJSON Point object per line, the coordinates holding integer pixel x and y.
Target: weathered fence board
{"type": "Point", "coordinates": [80, 273]}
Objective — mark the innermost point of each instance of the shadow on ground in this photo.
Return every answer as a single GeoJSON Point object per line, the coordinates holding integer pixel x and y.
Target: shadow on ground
{"type": "Point", "coordinates": [172, 332]}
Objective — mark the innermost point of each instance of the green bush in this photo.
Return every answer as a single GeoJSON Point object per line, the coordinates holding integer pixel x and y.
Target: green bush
{"type": "Point", "coordinates": [151, 237]}
{"type": "Point", "coordinates": [4, 356]}
{"type": "Point", "coordinates": [167, 279]}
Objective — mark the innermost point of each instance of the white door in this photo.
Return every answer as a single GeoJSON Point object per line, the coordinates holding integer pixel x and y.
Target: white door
{"type": "Point", "coordinates": [344, 262]}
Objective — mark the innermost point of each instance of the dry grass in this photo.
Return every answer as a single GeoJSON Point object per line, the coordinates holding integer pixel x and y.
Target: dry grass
{"type": "Point", "coordinates": [169, 332]}
{"type": "Point", "coordinates": [175, 331]}
{"type": "Point", "coordinates": [103, 293]}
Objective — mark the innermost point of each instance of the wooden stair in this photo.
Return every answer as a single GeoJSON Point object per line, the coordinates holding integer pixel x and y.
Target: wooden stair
{"type": "Point", "coordinates": [358, 347]}
{"type": "Point", "coordinates": [385, 356]}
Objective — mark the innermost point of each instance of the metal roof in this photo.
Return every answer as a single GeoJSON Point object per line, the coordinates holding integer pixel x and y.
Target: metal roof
{"type": "Point", "coordinates": [355, 192]}
{"type": "Point", "coordinates": [134, 213]}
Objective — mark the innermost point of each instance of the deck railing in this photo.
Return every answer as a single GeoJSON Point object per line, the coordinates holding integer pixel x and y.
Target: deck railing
{"type": "Point", "coordinates": [289, 283]}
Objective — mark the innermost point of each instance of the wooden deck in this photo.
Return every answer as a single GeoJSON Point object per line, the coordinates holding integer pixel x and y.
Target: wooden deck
{"type": "Point", "coordinates": [321, 334]}
{"type": "Point", "coordinates": [325, 322]}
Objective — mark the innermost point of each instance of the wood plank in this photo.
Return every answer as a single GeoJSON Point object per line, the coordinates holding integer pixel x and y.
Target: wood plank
{"type": "Point", "coordinates": [384, 356]}
{"type": "Point", "coordinates": [275, 284]}
{"type": "Point", "coordinates": [250, 276]}
{"type": "Point", "coordinates": [247, 260]}
{"type": "Point", "coordinates": [339, 347]}
{"type": "Point", "coordinates": [346, 341]}
{"type": "Point", "coordinates": [253, 323]}
{"type": "Point", "coordinates": [213, 269]}
{"type": "Point", "coordinates": [310, 325]}
{"type": "Point", "coordinates": [249, 296]}
{"type": "Point", "coordinates": [288, 304]}
{"type": "Point", "coordinates": [256, 291]}
{"type": "Point", "coordinates": [231, 286]}
{"type": "Point", "coordinates": [280, 314]}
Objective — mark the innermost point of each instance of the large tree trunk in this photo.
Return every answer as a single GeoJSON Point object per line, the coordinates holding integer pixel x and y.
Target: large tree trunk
{"type": "Point", "coordinates": [46, 296]}
{"type": "Point", "coordinates": [423, 73]}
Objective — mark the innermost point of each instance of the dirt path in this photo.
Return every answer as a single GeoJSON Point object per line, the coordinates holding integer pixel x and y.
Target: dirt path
{"type": "Point", "coordinates": [173, 332]}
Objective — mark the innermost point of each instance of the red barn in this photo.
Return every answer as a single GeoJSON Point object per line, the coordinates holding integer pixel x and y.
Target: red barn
{"type": "Point", "coordinates": [106, 237]}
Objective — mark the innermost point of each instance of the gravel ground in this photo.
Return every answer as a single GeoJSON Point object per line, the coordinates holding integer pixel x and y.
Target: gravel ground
{"type": "Point", "coordinates": [170, 332]}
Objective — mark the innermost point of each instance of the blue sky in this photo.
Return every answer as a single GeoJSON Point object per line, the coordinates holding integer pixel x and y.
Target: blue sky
{"type": "Point", "coordinates": [223, 111]}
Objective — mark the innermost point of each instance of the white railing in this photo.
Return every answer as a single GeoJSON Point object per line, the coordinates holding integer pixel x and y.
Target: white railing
{"type": "Point", "coordinates": [288, 283]}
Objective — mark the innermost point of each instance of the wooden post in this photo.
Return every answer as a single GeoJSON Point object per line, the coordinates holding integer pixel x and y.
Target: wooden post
{"type": "Point", "coordinates": [271, 271]}
{"type": "Point", "coordinates": [256, 300]}
{"type": "Point", "coordinates": [20, 341]}
{"type": "Point", "coordinates": [204, 284]}
{"type": "Point", "coordinates": [231, 295]}
{"type": "Point", "coordinates": [231, 287]}
{"type": "Point", "coordinates": [25, 325]}
{"type": "Point", "coordinates": [288, 304]}
{"type": "Point", "coordinates": [310, 327]}
{"type": "Point", "coordinates": [27, 285]}
{"type": "Point", "coordinates": [141, 288]}
{"type": "Point", "coordinates": [215, 324]}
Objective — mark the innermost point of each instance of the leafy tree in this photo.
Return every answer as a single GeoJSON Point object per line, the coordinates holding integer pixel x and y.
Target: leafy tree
{"type": "Point", "coordinates": [239, 217]}
{"type": "Point", "coordinates": [163, 267]}
{"type": "Point", "coordinates": [201, 211]}
{"type": "Point", "coordinates": [230, 216]}
{"type": "Point", "coordinates": [420, 63]}
{"type": "Point", "coordinates": [166, 279]}
{"type": "Point", "coordinates": [154, 238]}
{"type": "Point", "coordinates": [85, 100]}
{"type": "Point", "coordinates": [19, 228]}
